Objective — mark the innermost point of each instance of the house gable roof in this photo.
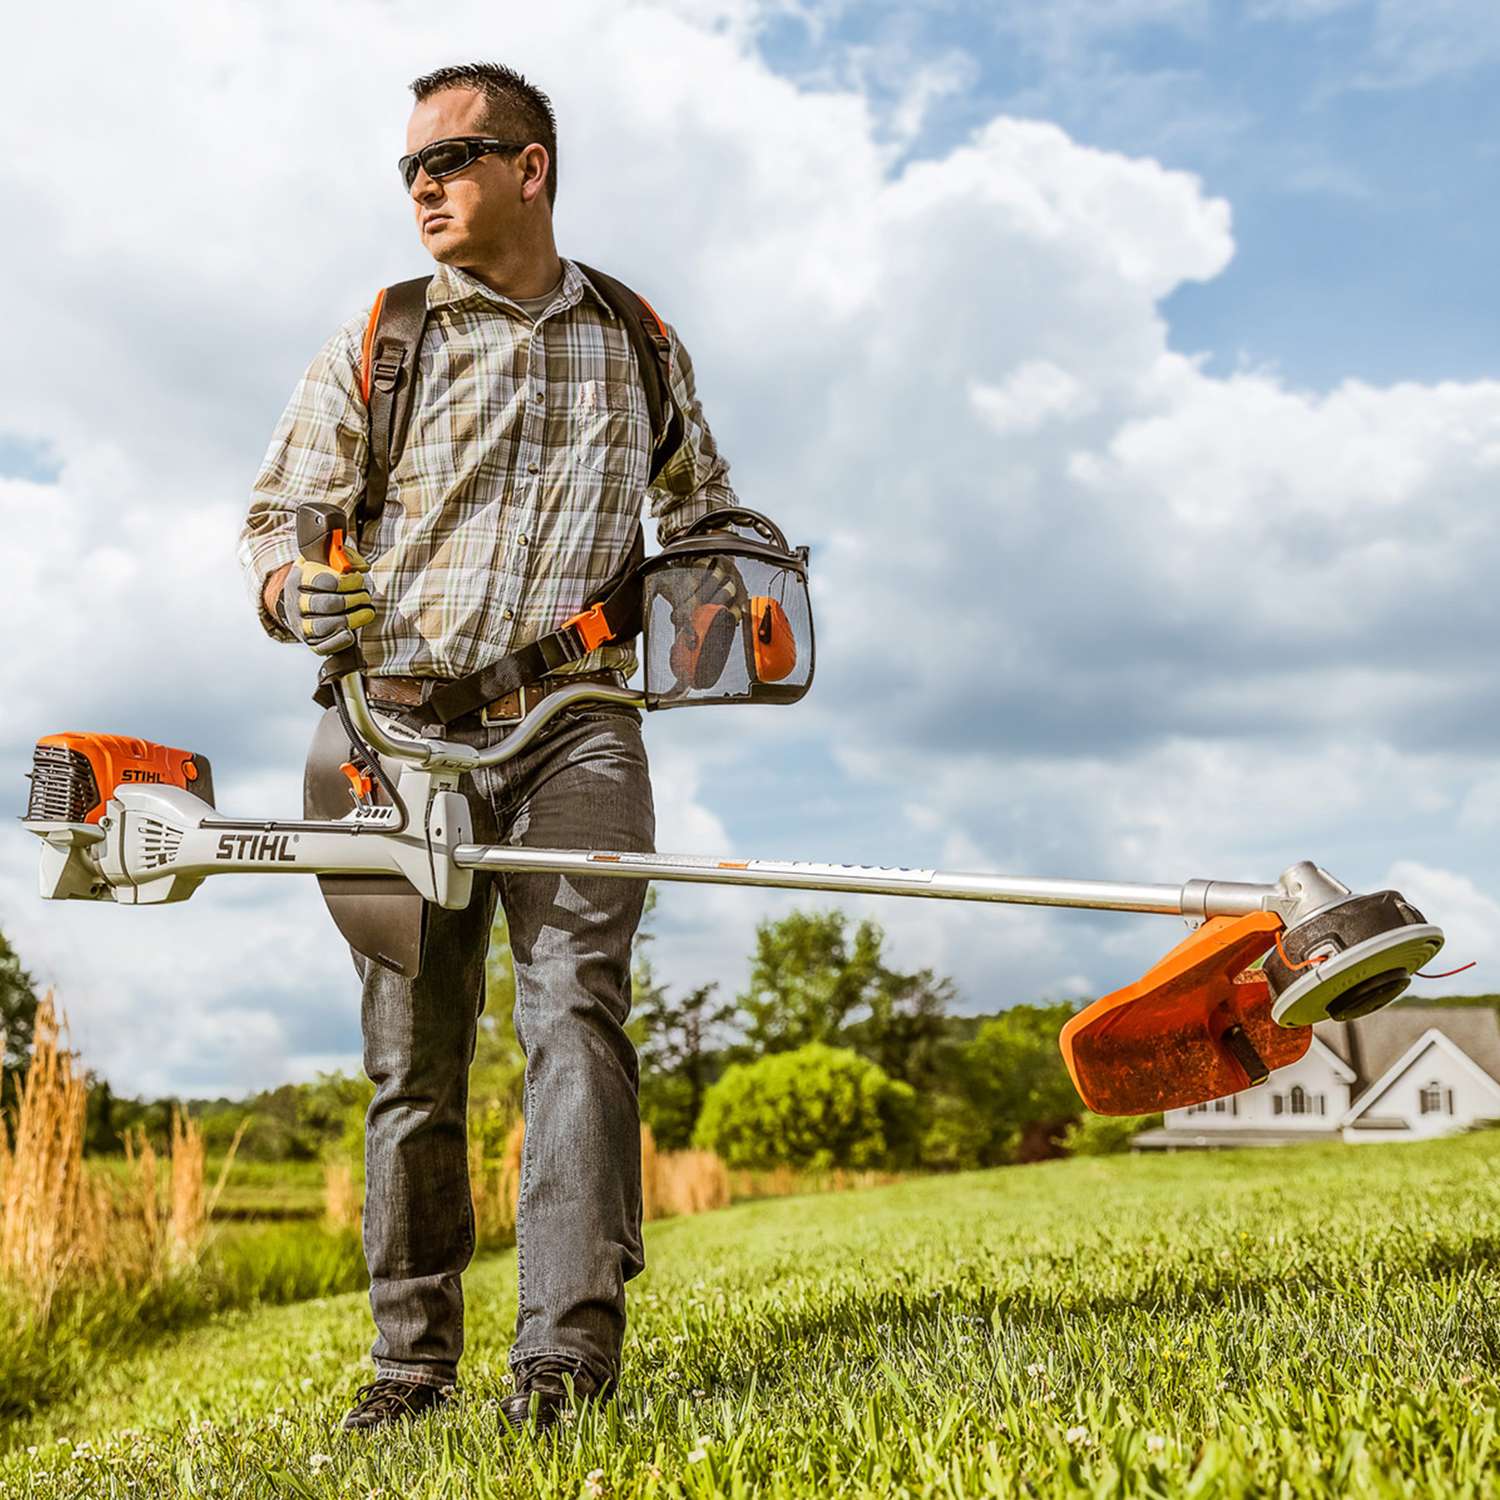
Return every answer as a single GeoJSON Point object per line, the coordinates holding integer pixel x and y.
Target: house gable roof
{"type": "Point", "coordinates": [1431, 1039]}
{"type": "Point", "coordinates": [1342, 1071]}
{"type": "Point", "coordinates": [1371, 1044]}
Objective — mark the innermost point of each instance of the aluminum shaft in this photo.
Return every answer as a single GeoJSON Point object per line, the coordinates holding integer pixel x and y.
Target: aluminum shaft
{"type": "Point", "coordinates": [1198, 898]}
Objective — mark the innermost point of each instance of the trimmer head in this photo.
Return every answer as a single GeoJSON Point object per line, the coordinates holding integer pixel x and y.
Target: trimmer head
{"type": "Point", "coordinates": [1348, 959]}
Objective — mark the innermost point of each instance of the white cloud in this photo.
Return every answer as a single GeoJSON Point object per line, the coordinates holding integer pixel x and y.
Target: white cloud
{"type": "Point", "coordinates": [1084, 609]}
{"type": "Point", "coordinates": [1034, 393]}
{"type": "Point", "coordinates": [1470, 919]}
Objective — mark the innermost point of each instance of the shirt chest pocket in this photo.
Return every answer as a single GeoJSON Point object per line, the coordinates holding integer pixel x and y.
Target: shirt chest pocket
{"type": "Point", "coordinates": [608, 429]}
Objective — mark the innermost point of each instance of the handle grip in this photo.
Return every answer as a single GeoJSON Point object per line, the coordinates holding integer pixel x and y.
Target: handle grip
{"type": "Point", "coordinates": [320, 539]}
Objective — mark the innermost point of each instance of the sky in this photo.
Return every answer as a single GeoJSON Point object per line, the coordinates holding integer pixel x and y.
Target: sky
{"type": "Point", "coordinates": [1130, 367]}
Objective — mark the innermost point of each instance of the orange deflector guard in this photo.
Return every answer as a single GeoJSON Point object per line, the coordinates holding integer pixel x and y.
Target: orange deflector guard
{"type": "Point", "coordinates": [1192, 1028]}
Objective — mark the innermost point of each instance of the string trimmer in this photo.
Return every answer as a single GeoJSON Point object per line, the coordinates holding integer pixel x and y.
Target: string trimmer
{"type": "Point", "coordinates": [132, 822]}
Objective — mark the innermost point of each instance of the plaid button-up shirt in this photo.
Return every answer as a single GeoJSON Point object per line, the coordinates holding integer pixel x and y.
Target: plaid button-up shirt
{"type": "Point", "coordinates": [518, 491]}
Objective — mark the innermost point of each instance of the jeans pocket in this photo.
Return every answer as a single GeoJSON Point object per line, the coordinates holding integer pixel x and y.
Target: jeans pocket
{"type": "Point", "coordinates": [601, 713]}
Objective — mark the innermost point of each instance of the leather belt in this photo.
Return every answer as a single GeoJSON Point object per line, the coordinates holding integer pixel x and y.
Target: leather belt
{"type": "Point", "coordinates": [509, 708]}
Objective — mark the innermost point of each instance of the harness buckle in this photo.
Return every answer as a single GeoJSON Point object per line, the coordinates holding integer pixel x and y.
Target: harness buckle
{"type": "Point", "coordinates": [593, 629]}
{"type": "Point", "coordinates": [387, 371]}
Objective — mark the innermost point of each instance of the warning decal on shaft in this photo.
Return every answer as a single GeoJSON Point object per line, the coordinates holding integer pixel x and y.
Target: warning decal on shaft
{"type": "Point", "coordinates": [849, 872]}
{"type": "Point", "coordinates": [795, 868]}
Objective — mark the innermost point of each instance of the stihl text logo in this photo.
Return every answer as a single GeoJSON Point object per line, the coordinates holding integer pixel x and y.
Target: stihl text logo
{"type": "Point", "coordinates": [256, 846]}
{"type": "Point", "coordinates": [134, 773]}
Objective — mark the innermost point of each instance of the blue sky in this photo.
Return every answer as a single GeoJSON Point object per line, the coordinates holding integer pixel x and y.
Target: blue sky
{"type": "Point", "coordinates": [1359, 144]}
{"type": "Point", "coordinates": [1132, 373]}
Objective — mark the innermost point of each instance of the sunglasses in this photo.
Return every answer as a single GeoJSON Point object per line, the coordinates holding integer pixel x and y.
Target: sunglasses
{"type": "Point", "coordinates": [452, 154]}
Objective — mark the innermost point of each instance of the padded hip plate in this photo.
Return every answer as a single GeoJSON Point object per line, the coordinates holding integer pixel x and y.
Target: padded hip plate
{"type": "Point", "coordinates": [380, 916]}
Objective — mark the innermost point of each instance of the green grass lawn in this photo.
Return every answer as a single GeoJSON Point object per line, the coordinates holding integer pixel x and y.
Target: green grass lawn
{"type": "Point", "coordinates": [268, 1189]}
{"type": "Point", "coordinates": [1312, 1321]}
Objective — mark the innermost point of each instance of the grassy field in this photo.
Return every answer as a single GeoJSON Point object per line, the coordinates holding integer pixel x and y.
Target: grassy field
{"type": "Point", "coordinates": [269, 1190]}
{"type": "Point", "coordinates": [1314, 1321]}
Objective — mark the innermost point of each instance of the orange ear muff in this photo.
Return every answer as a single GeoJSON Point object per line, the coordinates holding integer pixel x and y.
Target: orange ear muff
{"type": "Point", "coordinates": [775, 646]}
{"type": "Point", "coordinates": [1196, 1026]}
{"type": "Point", "coordinates": [703, 644]}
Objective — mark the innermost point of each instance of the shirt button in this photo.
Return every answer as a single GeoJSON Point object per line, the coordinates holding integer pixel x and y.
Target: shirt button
{"type": "Point", "coordinates": [523, 539]}
{"type": "Point", "coordinates": [533, 468]}
{"type": "Point", "coordinates": [509, 614]}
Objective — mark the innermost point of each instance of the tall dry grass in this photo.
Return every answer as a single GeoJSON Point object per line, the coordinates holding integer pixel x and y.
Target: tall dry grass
{"type": "Point", "coordinates": [787, 1182]}
{"type": "Point", "coordinates": [495, 1187]}
{"type": "Point", "coordinates": [63, 1224]}
{"type": "Point", "coordinates": [49, 1210]}
{"type": "Point", "coordinates": [187, 1216]}
{"type": "Point", "coordinates": [341, 1201]}
{"type": "Point", "coordinates": [674, 1183]}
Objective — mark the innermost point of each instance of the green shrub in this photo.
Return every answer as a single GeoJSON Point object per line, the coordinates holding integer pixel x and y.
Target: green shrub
{"type": "Point", "coordinates": [814, 1108]}
{"type": "Point", "coordinates": [955, 1135]}
{"type": "Point", "coordinates": [1105, 1135]}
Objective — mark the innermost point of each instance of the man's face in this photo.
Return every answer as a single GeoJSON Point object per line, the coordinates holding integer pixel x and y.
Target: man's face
{"type": "Point", "coordinates": [477, 213]}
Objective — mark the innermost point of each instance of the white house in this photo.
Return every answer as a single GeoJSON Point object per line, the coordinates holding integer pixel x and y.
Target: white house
{"type": "Point", "coordinates": [1405, 1073]}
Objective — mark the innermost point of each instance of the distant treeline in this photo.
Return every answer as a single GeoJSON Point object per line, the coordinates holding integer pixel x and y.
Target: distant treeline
{"type": "Point", "coordinates": [831, 1057]}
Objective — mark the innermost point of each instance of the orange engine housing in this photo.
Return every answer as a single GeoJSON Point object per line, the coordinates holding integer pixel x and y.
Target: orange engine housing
{"type": "Point", "coordinates": [74, 775]}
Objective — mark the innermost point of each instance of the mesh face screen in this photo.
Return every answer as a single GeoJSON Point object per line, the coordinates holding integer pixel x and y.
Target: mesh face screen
{"type": "Point", "coordinates": [727, 628]}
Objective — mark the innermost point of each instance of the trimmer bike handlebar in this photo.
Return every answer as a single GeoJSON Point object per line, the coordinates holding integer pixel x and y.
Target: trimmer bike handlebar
{"type": "Point", "coordinates": [435, 754]}
{"type": "Point", "coordinates": [321, 529]}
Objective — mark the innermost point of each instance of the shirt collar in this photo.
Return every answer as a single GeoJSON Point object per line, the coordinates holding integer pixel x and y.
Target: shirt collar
{"type": "Point", "coordinates": [450, 287]}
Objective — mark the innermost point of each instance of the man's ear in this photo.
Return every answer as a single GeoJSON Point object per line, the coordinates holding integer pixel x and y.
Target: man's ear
{"type": "Point", "coordinates": [535, 164]}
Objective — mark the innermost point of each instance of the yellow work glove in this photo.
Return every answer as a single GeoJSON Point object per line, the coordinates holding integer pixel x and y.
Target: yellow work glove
{"type": "Point", "coordinates": [323, 606]}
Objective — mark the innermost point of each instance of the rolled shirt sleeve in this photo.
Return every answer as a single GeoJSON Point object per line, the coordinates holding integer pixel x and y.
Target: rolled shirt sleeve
{"type": "Point", "coordinates": [317, 453]}
{"type": "Point", "coordinates": [696, 479]}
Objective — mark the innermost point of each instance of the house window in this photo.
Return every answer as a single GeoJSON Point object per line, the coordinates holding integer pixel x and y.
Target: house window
{"type": "Point", "coordinates": [1197, 1109]}
{"type": "Point", "coordinates": [1220, 1106]}
{"type": "Point", "coordinates": [1436, 1100]}
{"type": "Point", "coordinates": [1322, 1104]}
{"type": "Point", "coordinates": [1277, 1104]}
{"type": "Point", "coordinates": [1298, 1099]}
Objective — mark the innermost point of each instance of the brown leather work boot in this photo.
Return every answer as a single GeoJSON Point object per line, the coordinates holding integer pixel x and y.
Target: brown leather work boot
{"type": "Point", "coordinates": [388, 1399]}
{"type": "Point", "coordinates": [543, 1399]}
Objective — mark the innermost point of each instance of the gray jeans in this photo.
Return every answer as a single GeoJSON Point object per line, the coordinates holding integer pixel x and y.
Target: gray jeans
{"type": "Point", "coordinates": [584, 784]}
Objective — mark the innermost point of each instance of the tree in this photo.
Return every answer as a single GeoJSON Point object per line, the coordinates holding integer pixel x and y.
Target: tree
{"type": "Point", "coordinates": [678, 1058]}
{"type": "Point", "coordinates": [815, 1107]}
{"type": "Point", "coordinates": [811, 982]}
{"type": "Point", "coordinates": [906, 1031]}
{"type": "Point", "coordinates": [1015, 1094]}
{"type": "Point", "coordinates": [807, 980]}
{"type": "Point", "coordinates": [18, 1002]}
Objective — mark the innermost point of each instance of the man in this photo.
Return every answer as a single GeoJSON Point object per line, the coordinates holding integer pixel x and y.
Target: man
{"type": "Point", "coordinates": [517, 493]}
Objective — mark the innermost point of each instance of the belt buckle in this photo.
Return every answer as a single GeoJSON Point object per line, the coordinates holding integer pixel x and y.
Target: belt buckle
{"type": "Point", "coordinates": [488, 717]}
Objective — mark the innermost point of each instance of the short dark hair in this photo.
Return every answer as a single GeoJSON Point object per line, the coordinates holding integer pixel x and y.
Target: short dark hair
{"type": "Point", "coordinates": [516, 108]}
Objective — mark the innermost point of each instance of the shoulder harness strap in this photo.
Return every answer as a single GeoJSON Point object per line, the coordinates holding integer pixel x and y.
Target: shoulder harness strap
{"type": "Point", "coordinates": [387, 381]}
{"type": "Point", "coordinates": [653, 353]}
